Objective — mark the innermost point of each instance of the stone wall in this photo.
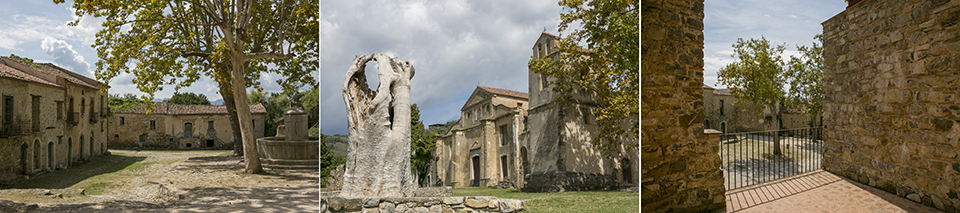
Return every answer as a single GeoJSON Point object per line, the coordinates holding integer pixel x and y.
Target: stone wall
{"type": "Point", "coordinates": [680, 166]}
{"type": "Point", "coordinates": [892, 101]}
{"type": "Point", "coordinates": [169, 132]}
{"type": "Point", "coordinates": [419, 204]}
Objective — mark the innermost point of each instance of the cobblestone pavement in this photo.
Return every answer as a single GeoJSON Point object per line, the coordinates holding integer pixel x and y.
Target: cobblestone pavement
{"type": "Point", "coordinates": [817, 191]}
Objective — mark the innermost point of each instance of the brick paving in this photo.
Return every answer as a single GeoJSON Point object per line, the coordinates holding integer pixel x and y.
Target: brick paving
{"type": "Point", "coordinates": [817, 191]}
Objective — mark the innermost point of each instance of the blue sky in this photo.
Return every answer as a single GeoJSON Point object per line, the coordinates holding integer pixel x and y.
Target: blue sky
{"type": "Point", "coordinates": [38, 30]}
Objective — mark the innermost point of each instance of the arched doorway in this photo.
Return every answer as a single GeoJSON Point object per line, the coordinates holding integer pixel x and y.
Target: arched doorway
{"type": "Point", "coordinates": [80, 156]}
{"type": "Point", "coordinates": [36, 154]}
{"type": "Point", "coordinates": [23, 158]}
{"type": "Point", "coordinates": [723, 127]}
{"type": "Point", "coordinates": [476, 171]}
{"type": "Point", "coordinates": [50, 156]}
{"type": "Point", "coordinates": [625, 168]}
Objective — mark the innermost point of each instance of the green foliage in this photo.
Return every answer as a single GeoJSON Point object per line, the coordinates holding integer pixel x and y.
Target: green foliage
{"type": "Point", "coordinates": [443, 129]}
{"type": "Point", "coordinates": [806, 72]}
{"type": "Point", "coordinates": [609, 70]}
{"type": "Point", "coordinates": [278, 103]}
{"type": "Point", "coordinates": [421, 143]}
{"type": "Point", "coordinates": [189, 98]}
{"type": "Point", "coordinates": [328, 161]}
{"type": "Point", "coordinates": [116, 103]}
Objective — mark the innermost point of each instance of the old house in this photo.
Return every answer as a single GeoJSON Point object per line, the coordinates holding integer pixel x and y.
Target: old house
{"type": "Point", "coordinates": [723, 112]}
{"type": "Point", "coordinates": [482, 148]}
{"type": "Point", "coordinates": [540, 145]}
{"type": "Point", "coordinates": [51, 117]}
{"type": "Point", "coordinates": [176, 126]}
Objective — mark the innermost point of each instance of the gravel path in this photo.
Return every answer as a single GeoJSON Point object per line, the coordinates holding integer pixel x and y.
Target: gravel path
{"type": "Point", "coordinates": [171, 181]}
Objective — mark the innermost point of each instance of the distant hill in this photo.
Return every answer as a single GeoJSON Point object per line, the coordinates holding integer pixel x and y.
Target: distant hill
{"type": "Point", "coordinates": [337, 144]}
{"type": "Point", "coordinates": [217, 102]}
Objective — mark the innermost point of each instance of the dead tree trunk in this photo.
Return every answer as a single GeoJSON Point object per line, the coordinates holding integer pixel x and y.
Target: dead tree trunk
{"type": "Point", "coordinates": [378, 160]}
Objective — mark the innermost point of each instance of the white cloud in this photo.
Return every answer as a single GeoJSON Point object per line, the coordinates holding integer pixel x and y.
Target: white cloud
{"type": "Point", "coordinates": [64, 55]}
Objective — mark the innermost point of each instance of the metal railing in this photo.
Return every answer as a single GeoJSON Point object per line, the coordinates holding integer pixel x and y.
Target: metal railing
{"type": "Point", "coordinates": [749, 158]}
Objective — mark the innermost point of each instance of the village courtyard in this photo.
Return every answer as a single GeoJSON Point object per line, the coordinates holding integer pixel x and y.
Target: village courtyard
{"type": "Point", "coordinates": [164, 181]}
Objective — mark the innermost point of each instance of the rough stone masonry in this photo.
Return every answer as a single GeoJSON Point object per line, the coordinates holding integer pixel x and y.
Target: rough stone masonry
{"type": "Point", "coordinates": [892, 98]}
{"type": "Point", "coordinates": [378, 157]}
{"type": "Point", "coordinates": [680, 169]}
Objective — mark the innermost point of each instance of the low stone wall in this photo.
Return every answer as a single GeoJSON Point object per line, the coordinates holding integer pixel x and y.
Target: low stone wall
{"type": "Point", "coordinates": [419, 204]}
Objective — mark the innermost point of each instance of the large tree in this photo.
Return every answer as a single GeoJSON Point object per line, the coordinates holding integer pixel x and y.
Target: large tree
{"type": "Point", "coordinates": [608, 70]}
{"type": "Point", "coordinates": [759, 76]}
{"type": "Point", "coordinates": [175, 42]}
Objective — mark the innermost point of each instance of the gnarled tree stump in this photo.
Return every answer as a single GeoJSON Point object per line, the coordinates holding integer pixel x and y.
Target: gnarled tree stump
{"type": "Point", "coordinates": [378, 161]}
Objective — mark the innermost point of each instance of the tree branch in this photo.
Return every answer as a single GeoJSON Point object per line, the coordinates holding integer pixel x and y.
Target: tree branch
{"type": "Point", "coordinates": [173, 20]}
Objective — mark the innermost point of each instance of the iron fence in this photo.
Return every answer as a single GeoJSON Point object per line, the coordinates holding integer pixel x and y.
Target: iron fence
{"type": "Point", "coordinates": [750, 158]}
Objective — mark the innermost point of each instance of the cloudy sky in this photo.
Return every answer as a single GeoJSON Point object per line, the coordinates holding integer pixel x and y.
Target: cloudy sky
{"type": "Point", "coordinates": [454, 46]}
{"type": "Point", "coordinates": [38, 30]}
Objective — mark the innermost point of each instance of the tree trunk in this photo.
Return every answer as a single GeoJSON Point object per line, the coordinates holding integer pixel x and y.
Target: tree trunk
{"type": "Point", "coordinates": [378, 160]}
{"type": "Point", "coordinates": [227, 94]}
{"type": "Point", "coordinates": [250, 154]}
{"type": "Point", "coordinates": [775, 112]}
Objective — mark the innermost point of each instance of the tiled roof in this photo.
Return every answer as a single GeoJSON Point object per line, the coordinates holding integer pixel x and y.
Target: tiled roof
{"type": "Point", "coordinates": [164, 108]}
{"type": "Point", "coordinates": [504, 92]}
{"type": "Point", "coordinates": [15, 68]}
{"type": "Point", "coordinates": [10, 72]}
{"type": "Point", "coordinates": [719, 91]}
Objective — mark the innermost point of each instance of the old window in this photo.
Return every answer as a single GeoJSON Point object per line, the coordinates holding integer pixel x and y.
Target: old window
{"type": "Point", "coordinates": [35, 113]}
{"type": "Point", "coordinates": [721, 106]}
{"type": "Point", "coordinates": [188, 130]}
{"type": "Point", "coordinates": [83, 105]}
{"type": "Point", "coordinates": [543, 81]}
{"type": "Point", "coordinates": [153, 124]}
{"type": "Point", "coordinates": [504, 135]}
{"type": "Point", "coordinates": [143, 139]}
{"type": "Point", "coordinates": [7, 109]}
{"type": "Point", "coordinates": [210, 126]}
{"type": "Point", "coordinates": [210, 143]}
{"type": "Point", "coordinates": [59, 110]}
{"type": "Point", "coordinates": [123, 121]}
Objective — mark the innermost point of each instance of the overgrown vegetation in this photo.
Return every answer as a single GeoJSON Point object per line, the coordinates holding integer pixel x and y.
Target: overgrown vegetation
{"type": "Point", "coordinates": [188, 98]}
{"type": "Point", "coordinates": [120, 103]}
{"type": "Point", "coordinates": [589, 201]}
{"type": "Point", "coordinates": [422, 144]}
{"type": "Point", "coordinates": [278, 103]}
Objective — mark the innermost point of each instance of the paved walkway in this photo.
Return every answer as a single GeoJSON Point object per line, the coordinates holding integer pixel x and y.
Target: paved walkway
{"type": "Point", "coordinates": [818, 191]}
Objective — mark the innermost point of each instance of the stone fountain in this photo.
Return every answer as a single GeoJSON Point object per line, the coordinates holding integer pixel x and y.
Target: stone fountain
{"type": "Point", "coordinates": [292, 148]}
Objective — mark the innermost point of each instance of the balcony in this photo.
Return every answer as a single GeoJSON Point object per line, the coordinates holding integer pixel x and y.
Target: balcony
{"type": "Point", "coordinates": [73, 118]}
{"type": "Point", "coordinates": [94, 117]}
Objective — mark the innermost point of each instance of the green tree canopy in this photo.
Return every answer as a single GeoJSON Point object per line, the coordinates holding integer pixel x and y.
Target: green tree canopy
{"type": "Point", "coordinates": [189, 98]}
{"type": "Point", "coordinates": [759, 76]}
{"type": "Point", "coordinates": [609, 70]}
{"type": "Point", "coordinates": [174, 42]}
{"type": "Point", "coordinates": [119, 103]}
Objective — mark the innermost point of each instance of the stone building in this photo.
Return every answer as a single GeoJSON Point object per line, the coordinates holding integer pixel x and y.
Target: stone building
{"type": "Point", "coordinates": [51, 118]}
{"type": "Point", "coordinates": [483, 148]}
{"type": "Point", "coordinates": [724, 113]}
{"type": "Point", "coordinates": [547, 148]}
{"type": "Point", "coordinates": [892, 98]}
{"type": "Point", "coordinates": [559, 153]}
{"type": "Point", "coordinates": [176, 126]}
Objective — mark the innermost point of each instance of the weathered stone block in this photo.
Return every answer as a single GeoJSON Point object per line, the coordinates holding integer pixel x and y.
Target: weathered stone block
{"type": "Point", "coordinates": [476, 203]}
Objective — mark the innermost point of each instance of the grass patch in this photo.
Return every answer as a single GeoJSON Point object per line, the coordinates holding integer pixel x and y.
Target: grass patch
{"type": "Point", "coordinates": [97, 188]}
{"type": "Point", "coordinates": [589, 201]}
{"type": "Point", "coordinates": [749, 149]}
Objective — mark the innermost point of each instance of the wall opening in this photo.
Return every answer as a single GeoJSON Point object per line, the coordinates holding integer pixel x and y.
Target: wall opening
{"type": "Point", "coordinates": [503, 167]}
{"type": "Point", "coordinates": [210, 143]}
{"type": "Point", "coordinates": [723, 127]}
{"type": "Point", "coordinates": [50, 156]}
{"type": "Point", "coordinates": [35, 113]}
{"type": "Point", "coordinates": [23, 158]}
{"type": "Point", "coordinates": [189, 145]}
{"type": "Point", "coordinates": [69, 151]}
{"type": "Point", "coordinates": [523, 157]}
{"type": "Point", "coordinates": [188, 130]}
{"type": "Point", "coordinates": [36, 154]}
{"type": "Point", "coordinates": [81, 148]}
{"type": "Point", "coordinates": [625, 168]}
{"type": "Point", "coordinates": [476, 171]}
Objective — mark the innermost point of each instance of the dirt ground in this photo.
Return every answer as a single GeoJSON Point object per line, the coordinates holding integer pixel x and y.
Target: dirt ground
{"type": "Point", "coordinates": [165, 181]}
